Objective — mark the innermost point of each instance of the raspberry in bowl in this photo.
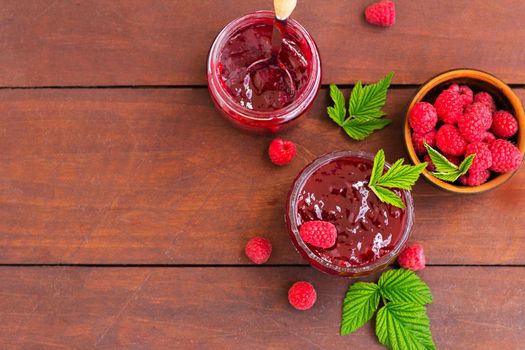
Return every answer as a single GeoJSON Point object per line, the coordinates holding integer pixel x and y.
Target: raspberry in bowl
{"type": "Point", "coordinates": [477, 114]}
{"type": "Point", "coordinates": [370, 233]}
{"type": "Point", "coordinates": [253, 88]}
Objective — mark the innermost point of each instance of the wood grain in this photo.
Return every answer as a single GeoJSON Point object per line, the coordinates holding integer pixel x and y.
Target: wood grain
{"type": "Point", "coordinates": [237, 308]}
{"type": "Point", "coordinates": [156, 176]}
{"type": "Point", "coordinates": [165, 42]}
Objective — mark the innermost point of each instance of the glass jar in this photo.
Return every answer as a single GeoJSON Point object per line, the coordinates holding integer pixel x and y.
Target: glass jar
{"type": "Point", "coordinates": [331, 177]}
{"type": "Point", "coordinates": [264, 120]}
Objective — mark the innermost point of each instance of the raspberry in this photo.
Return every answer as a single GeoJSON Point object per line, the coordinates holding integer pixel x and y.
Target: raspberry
{"type": "Point", "coordinates": [483, 159]}
{"type": "Point", "coordinates": [422, 117]}
{"type": "Point", "coordinates": [475, 121]}
{"type": "Point", "coordinates": [281, 152]}
{"type": "Point", "coordinates": [258, 250]}
{"type": "Point", "coordinates": [488, 137]}
{"type": "Point", "coordinates": [302, 295]}
{"type": "Point", "coordinates": [467, 96]}
{"type": "Point", "coordinates": [505, 156]}
{"type": "Point", "coordinates": [382, 13]}
{"type": "Point", "coordinates": [430, 166]}
{"type": "Point", "coordinates": [486, 99]}
{"type": "Point", "coordinates": [453, 159]}
{"type": "Point", "coordinates": [449, 106]}
{"type": "Point", "coordinates": [412, 257]}
{"type": "Point", "coordinates": [504, 124]}
{"type": "Point", "coordinates": [418, 140]}
{"type": "Point", "coordinates": [450, 141]}
{"type": "Point", "coordinates": [322, 234]}
{"type": "Point", "coordinates": [475, 178]}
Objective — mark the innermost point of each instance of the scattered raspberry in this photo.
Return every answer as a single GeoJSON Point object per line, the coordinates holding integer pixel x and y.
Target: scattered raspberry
{"type": "Point", "coordinates": [322, 234]}
{"type": "Point", "coordinates": [258, 250]}
{"type": "Point", "coordinates": [450, 141]}
{"type": "Point", "coordinates": [422, 117]}
{"type": "Point", "coordinates": [504, 124]}
{"type": "Point", "coordinates": [302, 295]}
{"type": "Point", "coordinates": [488, 137]}
{"type": "Point", "coordinates": [412, 257]}
{"type": "Point", "coordinates": [381, 13]}
{"type": "Point", "coordinates": [430, 166]}
{"type": "Point", "coordinates": [505, 156]}
{"type": "Point", "coordinates": [486, 99]}
{"type": "Point", "coordinates": [467, 96]}
{"type": "Point", "coordinates": [281, 152]}
{"type": "Point", "coordinates": [449, 106]}
{"type": "Point", "coordinates": [475, 121]}
{"type": "Point", "coordinates": [482, 160]}
{"type": "Point", "coordinates": [418, 140]}
{"type": "Point", "coordinates": [475, 178]}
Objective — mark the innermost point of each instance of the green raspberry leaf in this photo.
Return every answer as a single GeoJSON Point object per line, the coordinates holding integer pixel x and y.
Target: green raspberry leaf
{"type": "Point", "coordinates": [445, 170]}
{"type": "Point", "coordinates": [388, 196]}
{"type": "Point", "coordinates": [360, 128]}
{"type": "Point", "coordinates": [367, 101]}
{"type": "Point", "coordinates": [337, 112]}
{"type": "Point", "coordinates": [404, 326]}
{"type": "Point", "coordinates": [359, 305]}
{"type": "Point", "coordinates": [403, 285]}
{"type": "Point", "coordinates": [365, 108]}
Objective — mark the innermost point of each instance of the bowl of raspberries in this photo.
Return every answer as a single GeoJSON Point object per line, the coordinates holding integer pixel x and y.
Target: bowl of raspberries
{"type": "Point", "coordinates": [469, 126]}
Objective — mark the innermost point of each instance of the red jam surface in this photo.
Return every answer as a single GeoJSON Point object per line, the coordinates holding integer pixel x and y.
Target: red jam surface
{"type": "Point", "coordinates": [368, 229]}
{"type": "Point", "coordinates": [267, 86]}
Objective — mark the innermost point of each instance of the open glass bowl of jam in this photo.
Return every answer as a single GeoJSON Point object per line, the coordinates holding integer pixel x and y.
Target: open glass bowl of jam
{"type": "Point", "coordinates": [252, 90]}
{"type": "Point", "coordinates": [370, 233]}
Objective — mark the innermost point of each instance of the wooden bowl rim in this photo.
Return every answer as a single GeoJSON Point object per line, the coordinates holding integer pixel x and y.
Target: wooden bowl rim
{"type": "Point", "coordinates": [483, 77]}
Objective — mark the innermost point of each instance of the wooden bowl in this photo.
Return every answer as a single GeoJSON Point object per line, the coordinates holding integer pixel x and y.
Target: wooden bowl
{"type": "Point", "coordinates": [505, 99]}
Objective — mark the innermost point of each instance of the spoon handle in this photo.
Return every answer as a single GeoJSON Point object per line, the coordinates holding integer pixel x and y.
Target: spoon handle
{"type": "Point", "coordinates": [284, 8]}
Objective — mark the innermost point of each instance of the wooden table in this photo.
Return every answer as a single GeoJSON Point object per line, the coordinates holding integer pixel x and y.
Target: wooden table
{"type": "Point", "coordinates": [126, 200]}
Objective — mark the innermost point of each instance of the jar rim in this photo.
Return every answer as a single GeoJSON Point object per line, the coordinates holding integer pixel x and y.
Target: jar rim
{"type": "Point", "coordinates": [285, 114]}
{"type": "Point", "coordinates": [291, 206]}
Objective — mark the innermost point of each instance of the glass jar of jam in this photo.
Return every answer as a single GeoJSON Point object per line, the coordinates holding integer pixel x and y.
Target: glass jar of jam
{"type": "Point", "coordinates": [254, 88]}
{"type": "Point", "coordinates": [371, 233]}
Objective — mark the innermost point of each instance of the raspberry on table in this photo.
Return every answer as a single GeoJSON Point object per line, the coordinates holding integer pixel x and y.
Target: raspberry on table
{"type": "Point", "coordinates": [450, 141]}
{"type": "Point", "coordinates": [486, 99]}
{"type": "Point", "coordinates": [418, 140]}
{"type": "Point", "coordinates": [504, 125]}
{"type": "Point", "coordinates": [281, 151]}
{"type": "Point", "coordinates": [475, 121]}
{"type": "Point", "coordinates": [382, 13]}
{"type": "Point", "coordinates": [475, 178]}
{"type": "Point", "coordinates": [412, 257]}
{"type": "Point", "coordinates": [322, 234]}
{"type": "Point", "coordinates": [302, 295]}
{"type": "Point", "coordinates": [483, 159]}
{"type": "Point", "coordinates": [422, 117]}
{"type": "Point", "coordinates": [449, 106]}
{"type": "Point", "coordinates": [258, 250]}
{"type": "Point", "coordinates": [505, 156]}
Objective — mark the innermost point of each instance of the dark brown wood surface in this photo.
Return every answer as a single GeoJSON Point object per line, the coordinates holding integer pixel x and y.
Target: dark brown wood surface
{"type": "Point", "coordinates": [132, 176]}
{"type": "Point", "coordinates": [166, 42]}
{"type": "Point", "coordinates": [131, 198]}
{"type": "Point", "coordinates": [237, 308]}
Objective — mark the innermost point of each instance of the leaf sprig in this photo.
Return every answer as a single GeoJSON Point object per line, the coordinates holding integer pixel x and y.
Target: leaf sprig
{"type": "Point", "coordinates": [402, 322]}
{"type": "Point", "coordinates": [445, 169]}
{"type": "Point", "coordinates": [400, 176]}
{"type": "Point", "coordinates": [365, 114]}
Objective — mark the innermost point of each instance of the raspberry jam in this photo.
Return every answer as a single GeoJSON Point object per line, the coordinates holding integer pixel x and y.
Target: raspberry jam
{"type": "Point", "coordinates": [253, 78]}
{"type": "Point", "coordinates": [252, 86]}
{"type": "Point", "coordinates": [370, 233]}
